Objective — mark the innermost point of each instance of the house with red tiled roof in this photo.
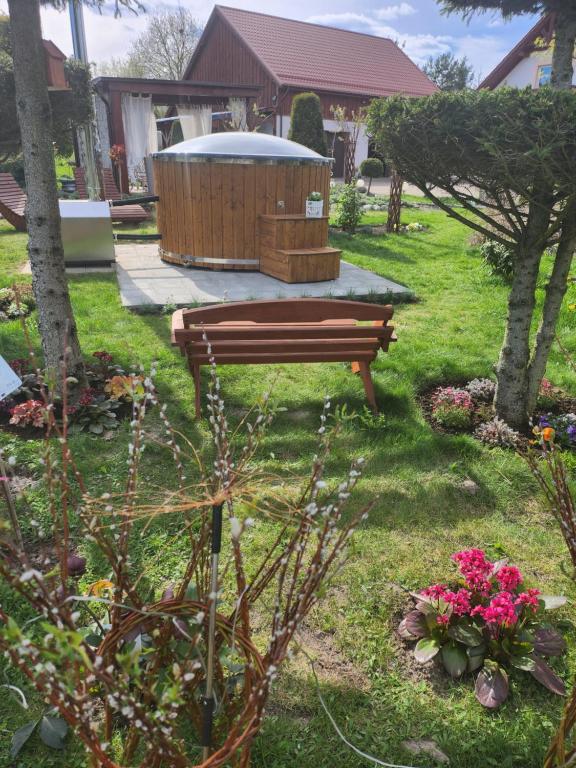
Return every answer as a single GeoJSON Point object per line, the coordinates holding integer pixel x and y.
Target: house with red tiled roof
{"type": "Point", "coordinates": [529, 63]}
{"type": "Point", "coordinates": [286, 57]}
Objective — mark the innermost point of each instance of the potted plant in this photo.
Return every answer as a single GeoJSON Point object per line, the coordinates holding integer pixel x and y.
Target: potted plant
{"type": "Point", "coordinates": [314, 205]}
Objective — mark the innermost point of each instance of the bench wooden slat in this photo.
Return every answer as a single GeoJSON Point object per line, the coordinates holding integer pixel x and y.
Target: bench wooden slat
{"type": "Point", "coordinates": [81, 186]}
{"type": "Point", "coordinates": [258, 358]}
{"type": "Point", "coordinates": [12, 202]}
{"type": "Point", "coordinates": [281, 348]}
{"type": "Point", "coordinates": [214, 333]}
{"type": "Point", "coordinates": [126, 213]}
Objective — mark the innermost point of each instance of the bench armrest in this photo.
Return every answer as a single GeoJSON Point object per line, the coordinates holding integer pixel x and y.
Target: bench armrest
{"type": "Point", "coordinates": [177, 325]}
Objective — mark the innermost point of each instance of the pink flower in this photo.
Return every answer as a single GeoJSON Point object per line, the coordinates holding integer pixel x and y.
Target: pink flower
{"type": "Point", "coordinates": [442, 620]}
{"type": "Point", "coordinates": [460, 601]}
{"type": "Point", "coordinates": [478, 583]}
{"type": "Point", "coordinates": [19, 365]}
{"type": "Point", "coordinates": [475, 568]}
{"type": "Point", "coordinates": [437, 591]}
{"type": "Point", "coordinates": [87, 396]}
{"type": "Point", "coordinates": [500, 612]}
{"type": "Point", "coordinates": [452, 396]}
{"type": "Point", "coordinates": [509, 578]}
{"type": "Point", "coordinates": [472, 560]}
{"type": "Point", "coordinates": [529, 599]}
{"type": "Point", "coordinates": [103, 356]}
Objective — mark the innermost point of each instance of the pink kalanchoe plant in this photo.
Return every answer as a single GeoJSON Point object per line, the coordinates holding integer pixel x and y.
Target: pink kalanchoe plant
{"type": "Point", "coordinates": [484, 622]}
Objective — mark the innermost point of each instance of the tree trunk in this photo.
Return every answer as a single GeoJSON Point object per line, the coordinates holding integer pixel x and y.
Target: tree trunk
{"type": "Point", "coordinates": [564, 42]}
{"type": "Point", "coordinates": [55, 317]}
{"type": "Point", "coordinates": [512, 400]}
{"type": "Point", "coordinates": [555, 292]}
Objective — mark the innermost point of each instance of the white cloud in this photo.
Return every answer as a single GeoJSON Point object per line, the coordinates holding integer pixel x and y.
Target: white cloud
{"type": "Point", "coordinates": [347, 20]}
{"type": "Point", "coordinates": [390, 12]}
{"type": "Point", "coordinates": [482, 51]}
{"type": "Point", "coordinates": [418, 47]}
{"type": "Point", "coordinates": [107, 37]}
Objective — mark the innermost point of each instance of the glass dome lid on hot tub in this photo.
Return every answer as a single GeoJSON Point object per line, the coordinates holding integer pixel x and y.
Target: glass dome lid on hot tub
{"type": "Point", "coordinates": [241, 147]}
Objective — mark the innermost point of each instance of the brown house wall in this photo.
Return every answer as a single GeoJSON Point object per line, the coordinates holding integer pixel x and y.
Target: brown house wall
{"type": "Point", "coordinates": [327, 100]}
{"type": "Point", "coordinates": [224, 58]}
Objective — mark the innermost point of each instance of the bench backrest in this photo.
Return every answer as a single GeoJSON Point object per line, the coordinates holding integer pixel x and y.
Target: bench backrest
{"type": "Point", "coordinates": [287, 311]}
{"type": "Point", "coordinates": [111, 191]}
{"type": "Point", "coordinates": [284, 329]}
{"type": "Point", "coordinates": [11, 194]}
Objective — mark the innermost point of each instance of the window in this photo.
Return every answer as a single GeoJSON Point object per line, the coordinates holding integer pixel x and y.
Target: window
{"type": "Point", "coordinates": [544, 75]}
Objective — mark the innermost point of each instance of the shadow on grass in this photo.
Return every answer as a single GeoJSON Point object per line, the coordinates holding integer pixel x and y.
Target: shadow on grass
{"type": "Point", "coordinates": [298, 732]}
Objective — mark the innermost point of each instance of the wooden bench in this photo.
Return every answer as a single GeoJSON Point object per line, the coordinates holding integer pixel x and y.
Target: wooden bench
{"type": "Point", "coordinates": [284, 331]}
{"type": "Point", "coordinates": [12, 202]}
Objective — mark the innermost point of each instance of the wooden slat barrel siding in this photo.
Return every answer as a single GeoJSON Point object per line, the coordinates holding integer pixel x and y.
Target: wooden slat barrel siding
{"type": "Point", "coordinates": [210, 210]}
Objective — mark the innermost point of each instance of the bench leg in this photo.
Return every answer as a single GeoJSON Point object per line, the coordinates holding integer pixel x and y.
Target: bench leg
{"type": "Point", "coordinates": [363, 368]}
{"type": "Point", "coordinates": [197, 391]}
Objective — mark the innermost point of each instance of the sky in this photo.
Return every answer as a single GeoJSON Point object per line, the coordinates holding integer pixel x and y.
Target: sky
{"type": "Point", "coordinates": [416, 25]}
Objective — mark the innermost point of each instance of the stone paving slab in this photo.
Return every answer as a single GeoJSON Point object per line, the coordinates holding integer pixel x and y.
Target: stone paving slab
{"type": "Point", "coordinates": [146, 282]}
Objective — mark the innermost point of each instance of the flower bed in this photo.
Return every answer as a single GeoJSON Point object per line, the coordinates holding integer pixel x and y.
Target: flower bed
{"type": "Point", "coordinates": [16, 302]}
{"type": "Point", "coordinates": [468, 408]}
{"type": "Point", "coordinates": [95, 405]}
{"type": "Point", "coordinates": [486, 621]}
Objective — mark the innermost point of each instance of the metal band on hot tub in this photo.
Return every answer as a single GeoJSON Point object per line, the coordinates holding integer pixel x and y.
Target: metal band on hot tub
{"type": "Point", "coordinates": [206, 259]}
{"type": "Point", "coordinates": [175, 157]}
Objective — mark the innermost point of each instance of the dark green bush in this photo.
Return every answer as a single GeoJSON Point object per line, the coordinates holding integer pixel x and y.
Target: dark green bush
{"type": "Point", "coordinates": [306, 125]}
{"type": "Point", "coordinates": [372, 168]}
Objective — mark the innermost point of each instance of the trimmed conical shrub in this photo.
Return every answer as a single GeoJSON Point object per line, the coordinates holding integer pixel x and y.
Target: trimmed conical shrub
{"type": "Point", "coordinates": [306, 125]}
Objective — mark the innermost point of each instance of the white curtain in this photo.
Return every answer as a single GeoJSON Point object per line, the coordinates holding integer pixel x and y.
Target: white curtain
{"type": "Point", "coordinates": [237, 109]}
{"type": "Point", "coordinates": [137, 117]}
{"type": "Point", "coordinates": [153, 132]}
{"type": "Point", "coordinates": [195, 121]}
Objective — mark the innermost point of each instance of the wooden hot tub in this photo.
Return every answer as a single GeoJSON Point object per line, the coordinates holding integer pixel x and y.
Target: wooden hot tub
{"type": "Point", "coordinates": [215, 189]}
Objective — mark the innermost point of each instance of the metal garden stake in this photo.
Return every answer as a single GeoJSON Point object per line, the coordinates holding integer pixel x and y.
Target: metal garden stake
{"type": "Point", "coordinates": [208, 699]}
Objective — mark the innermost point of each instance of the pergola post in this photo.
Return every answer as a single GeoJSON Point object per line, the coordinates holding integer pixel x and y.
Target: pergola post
{"type": "Point", "coordinates": [117, 136]}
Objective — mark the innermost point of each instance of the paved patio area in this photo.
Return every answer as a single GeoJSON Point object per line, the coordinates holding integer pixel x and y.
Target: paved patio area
{"type": "Point", "coordinates": [146, 281]}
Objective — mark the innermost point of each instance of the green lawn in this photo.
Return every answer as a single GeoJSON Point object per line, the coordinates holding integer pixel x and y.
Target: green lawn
{"type": "Point", "coordinates": [453, 332]}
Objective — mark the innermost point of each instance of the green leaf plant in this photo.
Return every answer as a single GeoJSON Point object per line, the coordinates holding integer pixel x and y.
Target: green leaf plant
{"type": "Point", "coordinates": [51, 729]}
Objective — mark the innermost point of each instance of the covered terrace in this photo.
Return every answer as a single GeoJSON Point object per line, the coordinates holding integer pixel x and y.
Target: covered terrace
{"type": "Point", "coordinates": [124, 112]}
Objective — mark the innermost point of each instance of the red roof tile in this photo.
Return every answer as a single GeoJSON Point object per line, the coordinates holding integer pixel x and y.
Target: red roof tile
{"type": "Point", "coordinates": [304, 55]}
